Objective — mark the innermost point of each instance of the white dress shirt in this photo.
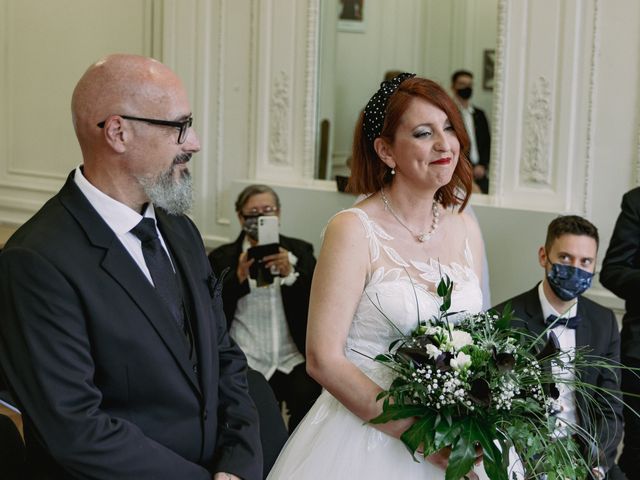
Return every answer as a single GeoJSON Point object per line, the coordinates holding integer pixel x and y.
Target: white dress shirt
{"type": "Point", "coordinates": [120, 218]}
{"type": "Point", "coordinates": [565, 405]}
{"type": "Point", "coordinates": [260, 326]}
{"type": "Point", "coordinates": [469, 125]}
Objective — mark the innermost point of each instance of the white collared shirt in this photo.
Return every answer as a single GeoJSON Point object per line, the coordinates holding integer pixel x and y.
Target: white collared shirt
{"type": "Point", "coordinates": [260, 326]}
{"type": "Point", "coordinates": [565, 405]}
{"type": "Point", "coordinates": [469, 125]}
{"type": "Point", "coordinates": [120, 218]}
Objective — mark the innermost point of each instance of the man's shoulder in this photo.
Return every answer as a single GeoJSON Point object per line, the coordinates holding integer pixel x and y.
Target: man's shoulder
{"type": "Point", "coordinates": [595, 308]}
{"type": "Point", "coordinates": [48, 225]}
{"type": "Point", "coordinates": [633, 195]}
{"type": "Point", "coordinates": [478, 111]}
{"type": "Point", "coordinates": [226, 250]}
{"type": "Point", "coordinates": [517, 301]}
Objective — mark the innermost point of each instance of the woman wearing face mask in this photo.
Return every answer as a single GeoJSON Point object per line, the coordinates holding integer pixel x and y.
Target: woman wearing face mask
{"type": "Point", "coordinates": [269, 322]}
{"type": "Point", "coordinates": [569, 259]}
{"type": "Point", "coordinates": [409, 154]}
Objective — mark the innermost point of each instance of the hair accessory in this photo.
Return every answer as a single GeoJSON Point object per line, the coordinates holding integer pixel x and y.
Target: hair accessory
{"type": "Point", "coordinates": [375, 110]}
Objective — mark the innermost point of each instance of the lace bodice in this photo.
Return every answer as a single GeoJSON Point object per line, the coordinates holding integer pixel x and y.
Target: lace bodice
{"type": "Point", "coordinates": [403, 290]}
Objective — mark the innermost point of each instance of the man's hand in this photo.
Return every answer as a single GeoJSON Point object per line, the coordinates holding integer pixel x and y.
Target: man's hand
{"type": "Point", "coordinates": [225, 476]}
{"type": "Point", "coordinates": [279, 262]}
{"type": "Point", "coordinates": [244, 262]}
{"type": "Point", "coordinates": [479, 171]}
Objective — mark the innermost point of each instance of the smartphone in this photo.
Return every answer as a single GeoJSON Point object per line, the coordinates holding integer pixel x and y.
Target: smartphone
{"type": "Point", "coordinates": [268, 230]}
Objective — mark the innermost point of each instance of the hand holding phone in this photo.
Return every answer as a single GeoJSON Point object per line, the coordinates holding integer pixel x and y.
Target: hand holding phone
{"type": "Point", "coordinates": [266, 251]}
{"type": "Point", "coordinates": [258, 269]}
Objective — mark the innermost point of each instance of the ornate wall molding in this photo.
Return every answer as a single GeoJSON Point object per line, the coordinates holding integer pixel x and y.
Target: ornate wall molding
{"type": "Point", "coordinates": [219, 61]}
{"type": "Point", "coordinates": [495, 173]}
{"type": "Point", "coordinates": [593, 80]}
{"type": "Point", "coordinates": [536, 161]}
{"type": "Point", "coordinates": [311, 87]}
{"type": "Point", "coordinates": [280, 113]}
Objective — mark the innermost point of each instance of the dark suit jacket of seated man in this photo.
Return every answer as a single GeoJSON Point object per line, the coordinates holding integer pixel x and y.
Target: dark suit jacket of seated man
{"type": "Point", "coordinates": [293, 386]}
{"type": "Point", "coordinates": [111, 385]}
{"type": "Point", "coordinates": [571, 247]}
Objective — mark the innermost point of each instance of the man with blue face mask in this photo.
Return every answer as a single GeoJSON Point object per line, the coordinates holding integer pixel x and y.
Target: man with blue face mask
{"type": "Point", "coordinates": [556, 304]}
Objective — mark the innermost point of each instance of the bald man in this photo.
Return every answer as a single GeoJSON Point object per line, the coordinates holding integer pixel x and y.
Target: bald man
{"type": "Point", "coordinates": [113, 337]}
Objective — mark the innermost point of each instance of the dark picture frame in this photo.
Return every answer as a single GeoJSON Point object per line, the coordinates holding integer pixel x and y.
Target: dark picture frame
{"type": "Point", "coordinates": [488, 66]}
{"type": "Point", "coordinates": [351, 16]}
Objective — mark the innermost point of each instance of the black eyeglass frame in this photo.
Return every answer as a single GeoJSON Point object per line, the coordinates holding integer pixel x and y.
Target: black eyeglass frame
{"type": "Point", "coordinates": [265, 212]}
{"type": "Point", "coordinates": [183, 126]}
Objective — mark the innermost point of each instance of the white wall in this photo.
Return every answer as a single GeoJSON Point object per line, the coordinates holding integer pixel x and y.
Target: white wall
{"type": "Point", "coordinates": [566, 103]}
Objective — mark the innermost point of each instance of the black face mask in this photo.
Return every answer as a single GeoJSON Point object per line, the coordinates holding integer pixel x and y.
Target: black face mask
{"type": "Point", "coordinates": [250, 227]}
{"type": "Point", "coordinates": [465, 93]}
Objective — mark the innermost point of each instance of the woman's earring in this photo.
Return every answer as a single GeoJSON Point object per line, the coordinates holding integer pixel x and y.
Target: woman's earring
{"type": "Point", "coordinates": [393, 171]}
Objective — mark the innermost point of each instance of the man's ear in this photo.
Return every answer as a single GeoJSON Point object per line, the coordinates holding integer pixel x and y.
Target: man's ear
{"type": "Point", "coordinates": [542, 257]}
{"type": "Point", "coordinates": [115, 133]}
{"type": "Point", "coordinates": [383, 149]}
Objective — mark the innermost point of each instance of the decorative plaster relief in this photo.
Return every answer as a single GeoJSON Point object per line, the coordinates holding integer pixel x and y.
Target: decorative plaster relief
{"type": "Point", "coordinates": [536, 162]}
{"type": "Point", "coordinates": [280, 112]}
{"type": "Point", "coordinates": [495, 172]}
{"type": "Point", "coordinates": [310, 81]}
{"type": "Point", "coordinates": [593, 77]}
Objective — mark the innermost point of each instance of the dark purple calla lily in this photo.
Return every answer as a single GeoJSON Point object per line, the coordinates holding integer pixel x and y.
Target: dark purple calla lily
{"type": "Point", "coordinates": [480, 392]}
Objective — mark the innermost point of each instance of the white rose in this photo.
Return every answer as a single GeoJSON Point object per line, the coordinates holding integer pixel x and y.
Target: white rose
{"type": "Point", "coordinates": [461, 361]}
{"type": "Point", "coordinates": [433, 351]}
{"type": "Point", "coordinates": [460, 339]}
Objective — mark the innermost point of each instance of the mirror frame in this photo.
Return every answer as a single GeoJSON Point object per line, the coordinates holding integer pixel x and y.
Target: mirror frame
{"type": "Point", "coordinates": [312, 124]}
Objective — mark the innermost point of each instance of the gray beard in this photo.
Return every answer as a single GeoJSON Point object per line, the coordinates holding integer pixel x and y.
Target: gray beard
{"type": "Point", "coordinates": [173, 196]}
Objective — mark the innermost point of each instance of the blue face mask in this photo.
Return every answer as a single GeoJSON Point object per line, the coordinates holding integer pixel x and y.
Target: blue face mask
{"type": "Point", "coordinates": [568, 282]}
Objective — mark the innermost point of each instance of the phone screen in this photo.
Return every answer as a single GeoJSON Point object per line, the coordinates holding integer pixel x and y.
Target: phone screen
{"type": "Point", "coordinates": [268, 230]}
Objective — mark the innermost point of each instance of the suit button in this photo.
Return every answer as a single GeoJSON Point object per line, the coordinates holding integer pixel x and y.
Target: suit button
{"type": "Point", "coordinates": [205, 414]}
{"type": "Point", "coordinates": [195, 369]}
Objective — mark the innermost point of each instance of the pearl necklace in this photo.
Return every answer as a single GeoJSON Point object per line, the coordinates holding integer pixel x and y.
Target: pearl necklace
{"type": "Point", "coordinates": [422, 236]}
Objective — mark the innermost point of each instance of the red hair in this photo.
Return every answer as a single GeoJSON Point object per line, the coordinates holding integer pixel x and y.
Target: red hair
{"type": "Point", "coordinates": [369, 173]}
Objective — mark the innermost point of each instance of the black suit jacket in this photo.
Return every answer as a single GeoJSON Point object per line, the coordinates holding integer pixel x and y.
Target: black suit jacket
{"type": "Point", "coordinates": [99, 367]}
{"type": "Point", "coordinates": [294, 297]}
{"type": "Point", "coordinates": [483, 136]}
{"type": "Point", "coordinates": [598, 332]}
{"type": "Point", "coordinates": [621, 270]}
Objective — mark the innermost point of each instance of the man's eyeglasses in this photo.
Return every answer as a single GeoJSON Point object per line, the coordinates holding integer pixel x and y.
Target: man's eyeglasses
{"type": "Point", "coordinates": [183, 126]}
{"type": "Point", "coordinates": [267, 211]}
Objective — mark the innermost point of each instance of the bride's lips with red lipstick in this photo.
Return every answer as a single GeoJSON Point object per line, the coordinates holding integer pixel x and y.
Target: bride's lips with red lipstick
{"type": "Point", "coordinates": [442, 161]}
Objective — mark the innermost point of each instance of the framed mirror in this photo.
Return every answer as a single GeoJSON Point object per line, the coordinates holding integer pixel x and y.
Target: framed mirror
{"type": "Point", "coordinates": [361, 40]}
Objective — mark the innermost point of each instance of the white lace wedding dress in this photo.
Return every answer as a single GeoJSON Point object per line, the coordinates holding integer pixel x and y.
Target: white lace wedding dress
{"type": "Point", "coordinates": [331, 442]}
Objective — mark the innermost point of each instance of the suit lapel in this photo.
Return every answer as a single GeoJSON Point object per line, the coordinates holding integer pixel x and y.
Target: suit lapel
{"type": "Point", "coordinates": [120, 266]}
{"type": "Point", "coordinates": [583, 332]}
{"type": "Point", "coordinates": [533, 309]}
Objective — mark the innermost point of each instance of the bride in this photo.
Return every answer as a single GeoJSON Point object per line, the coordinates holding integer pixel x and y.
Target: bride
{"type": "Point", "coordinates": [409, 154]}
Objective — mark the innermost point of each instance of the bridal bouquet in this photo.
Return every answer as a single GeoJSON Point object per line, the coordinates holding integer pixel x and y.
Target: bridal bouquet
{"type": "Point", "coordinates": [481, 384]}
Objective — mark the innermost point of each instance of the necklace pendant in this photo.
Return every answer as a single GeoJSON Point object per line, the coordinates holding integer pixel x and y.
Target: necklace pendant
{"type": "Point", "coordinates": [422, 237]}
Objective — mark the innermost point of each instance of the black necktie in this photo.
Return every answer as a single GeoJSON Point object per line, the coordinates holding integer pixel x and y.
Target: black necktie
{"type": "Point", "coordinates": [159, 265]}
{"type": "Point", "coordinates": [572, 322]}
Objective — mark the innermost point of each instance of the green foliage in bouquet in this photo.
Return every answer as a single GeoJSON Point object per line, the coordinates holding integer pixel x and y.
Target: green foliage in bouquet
{"type": "Point", "coordinates": [479, 383]}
